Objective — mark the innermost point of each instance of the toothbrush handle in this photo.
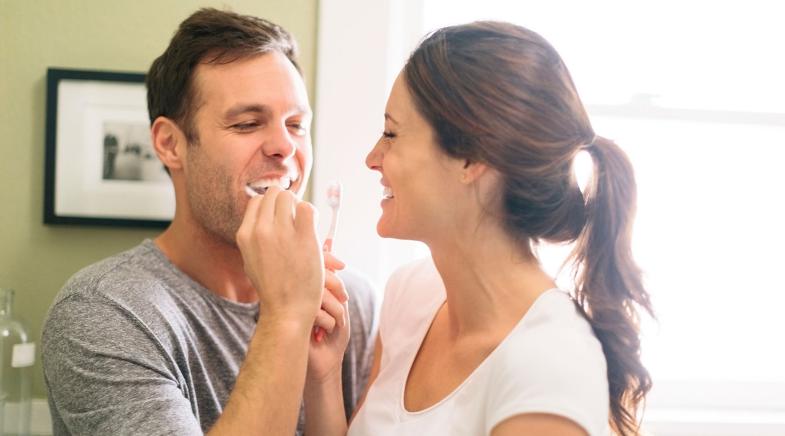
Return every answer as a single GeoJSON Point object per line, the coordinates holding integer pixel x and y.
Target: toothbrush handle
{"type": "Point", "coordinates": [318, 331]}
{"type": "Point", "coordinates": [327, 247]}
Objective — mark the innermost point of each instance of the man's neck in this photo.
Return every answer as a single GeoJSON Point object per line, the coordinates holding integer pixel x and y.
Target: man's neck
{"type": "Point", "coordinates": [207, 259]}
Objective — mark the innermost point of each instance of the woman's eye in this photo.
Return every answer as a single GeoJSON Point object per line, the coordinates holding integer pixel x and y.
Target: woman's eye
{"type": "Point", "coordinates": [387, 134]}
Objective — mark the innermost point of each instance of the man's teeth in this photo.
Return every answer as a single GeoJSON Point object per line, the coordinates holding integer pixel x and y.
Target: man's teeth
{"type": "Point", "coordinates": [260, 187]}
{"type": "Point", "coordinates": [387, 194]}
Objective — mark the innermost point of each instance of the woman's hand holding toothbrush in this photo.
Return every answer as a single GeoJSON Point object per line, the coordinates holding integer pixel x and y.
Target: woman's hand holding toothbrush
{"type": "Point", "coordinates": [331, 332]}
{"type": "Point", "coordinates": [331, 336]}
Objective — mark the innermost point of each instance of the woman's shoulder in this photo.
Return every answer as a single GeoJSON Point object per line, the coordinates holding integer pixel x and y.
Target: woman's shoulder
{"type": "Point", "coordinates": [552, 363]}
{"type": "Point", "coordinates": [554, 334]}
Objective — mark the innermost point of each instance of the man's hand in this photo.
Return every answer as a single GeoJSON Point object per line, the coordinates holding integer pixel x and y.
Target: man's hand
{"type": "Point", "coordinates": [282, 256]}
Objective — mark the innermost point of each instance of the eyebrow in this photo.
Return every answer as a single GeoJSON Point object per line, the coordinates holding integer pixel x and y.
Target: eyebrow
{"type": "Point", "coordinates": [246, 108]}
{"type": "Point", "coordinates": [389, 117]}
{"type": "Point", "coordinates": [260, 109]}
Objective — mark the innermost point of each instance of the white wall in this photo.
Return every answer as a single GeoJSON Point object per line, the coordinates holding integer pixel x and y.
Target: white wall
{"type": "Point", "coordinates": [361, 47]}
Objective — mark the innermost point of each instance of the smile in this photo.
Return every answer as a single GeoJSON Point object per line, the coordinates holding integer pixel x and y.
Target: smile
{"type": "Point", "coordinates": [259, 187]}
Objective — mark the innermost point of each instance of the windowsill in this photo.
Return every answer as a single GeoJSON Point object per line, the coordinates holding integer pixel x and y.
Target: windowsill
{"type": "Point", "coordinates": [714, 422]}
{"type": "Point", "coordinates": [41, 421]}
{"type": "Point", "coordinates": [658, 422]}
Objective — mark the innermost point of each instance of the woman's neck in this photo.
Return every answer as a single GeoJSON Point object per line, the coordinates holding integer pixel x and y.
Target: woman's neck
{"type": "Point", "coordinates": [490, 280]}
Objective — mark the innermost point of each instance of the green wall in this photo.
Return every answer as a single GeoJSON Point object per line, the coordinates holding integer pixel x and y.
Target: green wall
{"type": "Point", "coordinates": [85, 34]}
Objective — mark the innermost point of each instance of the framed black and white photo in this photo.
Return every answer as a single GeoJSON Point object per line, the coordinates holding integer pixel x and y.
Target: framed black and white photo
{"type": "Point", "coordinates": [101, 168]}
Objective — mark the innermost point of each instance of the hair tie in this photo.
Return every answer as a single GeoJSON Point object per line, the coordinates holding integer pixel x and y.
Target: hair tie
{"type": "Point", "coordinates": [592, 145]}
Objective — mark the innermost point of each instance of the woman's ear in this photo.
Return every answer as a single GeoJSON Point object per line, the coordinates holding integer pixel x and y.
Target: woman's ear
{"type": "Point", "coordinates": [168, 142]}
{"type": "Point", "coordinates": [472, 171]}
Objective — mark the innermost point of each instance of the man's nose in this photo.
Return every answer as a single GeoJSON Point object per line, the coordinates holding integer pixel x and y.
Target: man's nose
{"type": "Point", "coordinates": [279, 144]}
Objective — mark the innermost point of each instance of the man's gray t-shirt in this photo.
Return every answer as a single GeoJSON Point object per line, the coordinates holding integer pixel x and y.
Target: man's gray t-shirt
{"type": "Point", "coordinates": [132, 345]}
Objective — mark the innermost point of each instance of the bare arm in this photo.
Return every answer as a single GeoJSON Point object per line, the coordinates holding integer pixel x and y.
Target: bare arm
{"type": "Point", "coordinates": [324, 413]}
{"type": "Point", "coordinates": [269, 387]}
{"type": "Point", "coordinates": [323, 396]}
{"type": "Point", "coordinates": [541, 424]}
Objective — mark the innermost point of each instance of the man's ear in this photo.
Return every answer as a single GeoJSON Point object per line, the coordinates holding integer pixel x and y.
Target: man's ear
{"type": "Point", "coordinates": [169, 143]}
{"type": "Point", "coordinates": [472, 170]}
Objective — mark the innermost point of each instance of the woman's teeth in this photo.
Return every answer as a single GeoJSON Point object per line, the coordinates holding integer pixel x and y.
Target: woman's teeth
{"type": "Point", "coordinates": [387, 194]}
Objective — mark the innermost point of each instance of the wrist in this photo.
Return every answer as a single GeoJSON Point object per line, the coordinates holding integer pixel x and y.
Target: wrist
{"type": "Point", "coordinates": [285, 325]}
{"type": "Point", "coordinates": [326, 381]}
{"type": "Point", "coordinates": [288, 312]}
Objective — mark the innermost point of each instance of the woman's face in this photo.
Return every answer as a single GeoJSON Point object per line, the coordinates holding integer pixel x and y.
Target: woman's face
{"type": "Point", "coordinates": [421, 183]}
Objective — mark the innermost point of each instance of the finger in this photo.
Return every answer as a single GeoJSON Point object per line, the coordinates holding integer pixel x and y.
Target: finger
{"type": "Point", "coordinates": [284, 208]}
{"type": "Point", "coordinates": [305, 219]}
{"type": "Point", "coordinates": [325, 321]}
{"type": "Point", "coordinates": [266, 212]}
{"type": "Point", "coordinates": [333, 263]}
{"type": "Point", "coordinates": [347, 320]}
{"type": "Point", "coordinates": [331, 305]}
{"type": "Point", "coordinates": [335, 285]}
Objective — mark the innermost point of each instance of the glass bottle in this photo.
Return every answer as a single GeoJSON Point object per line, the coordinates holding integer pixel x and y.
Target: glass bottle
{"type": "Point", "coordinates": [17, 355]}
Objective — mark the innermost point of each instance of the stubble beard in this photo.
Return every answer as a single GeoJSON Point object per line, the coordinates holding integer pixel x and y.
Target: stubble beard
{"type": "Point", "coordinates": [212, 201]}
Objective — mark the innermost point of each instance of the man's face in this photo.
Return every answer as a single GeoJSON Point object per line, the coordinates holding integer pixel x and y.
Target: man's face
{"type": "Point", "coordinates": [253, 125]}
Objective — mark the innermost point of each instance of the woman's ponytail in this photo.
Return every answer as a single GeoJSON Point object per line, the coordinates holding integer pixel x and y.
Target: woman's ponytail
{"type": "Point", "coordinates": [608, 283]}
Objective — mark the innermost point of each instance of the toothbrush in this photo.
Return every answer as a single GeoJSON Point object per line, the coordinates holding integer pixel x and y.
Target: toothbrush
{"type": "Point", "coordinates": [334, 201]}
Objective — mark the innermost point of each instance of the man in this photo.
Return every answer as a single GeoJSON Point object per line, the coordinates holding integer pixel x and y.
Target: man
{"type": "Point", "coordinates": [188, 334]}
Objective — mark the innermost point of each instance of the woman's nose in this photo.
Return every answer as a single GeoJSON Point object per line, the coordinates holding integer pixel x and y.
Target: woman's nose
{"type": "Point", "coordinates": [374, 158]}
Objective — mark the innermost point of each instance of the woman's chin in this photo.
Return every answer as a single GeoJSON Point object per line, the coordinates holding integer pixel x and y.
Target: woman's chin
{"type": "Point", "coordinates": [383, 230]}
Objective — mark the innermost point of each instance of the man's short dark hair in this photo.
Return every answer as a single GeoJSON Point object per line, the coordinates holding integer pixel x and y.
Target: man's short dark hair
{"type": "Point", "coordinates": [208, 36]}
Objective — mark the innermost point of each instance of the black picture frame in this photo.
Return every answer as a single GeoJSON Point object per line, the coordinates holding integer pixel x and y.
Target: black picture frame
{"type": "Point", "coordinates": [100, 168]}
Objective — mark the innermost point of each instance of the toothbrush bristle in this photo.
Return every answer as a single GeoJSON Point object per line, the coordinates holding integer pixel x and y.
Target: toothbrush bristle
{"type": "Point", "coordinates": [334, 194]}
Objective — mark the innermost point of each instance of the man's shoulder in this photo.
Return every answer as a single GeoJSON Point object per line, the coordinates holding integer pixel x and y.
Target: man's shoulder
{"type": "Point", "coordinates": [129, 297]}
{"type": "Point", "coordinates": [363, 309]}
{"type": "Point", "coordinates": [358, 286]}
{"type": "Point", "coordinates": [115, 276]}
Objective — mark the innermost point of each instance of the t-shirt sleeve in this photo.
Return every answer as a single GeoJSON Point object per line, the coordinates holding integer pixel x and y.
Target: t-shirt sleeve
{"type": "Point", "coordinates": [566, 378]}
{"type": "Point", "coordinates": [358, 357]}
{"type": "Point", "coordinates": [391, 308]}
{"type": "Point", "coordinates": [107, 375]}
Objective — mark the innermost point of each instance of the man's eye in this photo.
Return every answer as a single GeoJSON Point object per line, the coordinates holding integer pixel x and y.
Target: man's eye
{"type": "Point", "coordinates": [246, 126]}
{"type": "Point", "coordinates": [299, 129]}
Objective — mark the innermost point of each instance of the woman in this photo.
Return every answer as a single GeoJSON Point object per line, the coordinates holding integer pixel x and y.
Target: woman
{"type": "Point", "coordinates": [481, 130]}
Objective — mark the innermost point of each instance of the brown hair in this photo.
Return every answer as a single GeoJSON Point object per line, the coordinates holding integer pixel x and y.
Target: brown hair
{"type": "Point", "coordinates": [500, 94]}
{"type": "Point", "coordinates": [207, 36]}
